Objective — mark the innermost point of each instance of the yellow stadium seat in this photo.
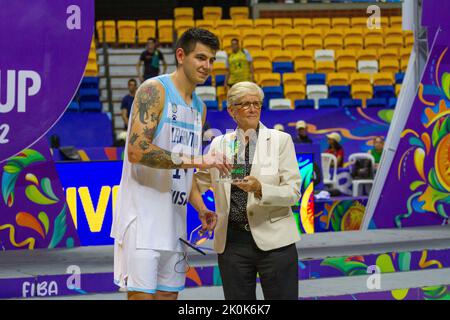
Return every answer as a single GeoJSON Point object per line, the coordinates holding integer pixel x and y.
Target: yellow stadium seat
{"type": "Point", "coordinates": [393, 42]}
{"type": "Point", "coordinates": [243, 23]}
{"type": "Point", "coordinates": [269, 79]}
{"type": "Point", "coordinates": [212, 13]}
{"type": "Point", "coordinates": [404, 53]}
{"type": "Point", "coordinates": [404, 64]}
{"type": "Point", "coordinates": [302, 23]}
{"type": "Point", "coordinates": [398, 87]}
{"type": "Point", "coordinates": [387, 65]}
{"type": "Point", "coordinates": [290, 33]}
{"type": "Point", "coordinates": [373, 33]}
{"type": "Point", "coordinates": [373, 43]}
{"type": "Point", "coordinates": [303, 55]}
{"type": "Point", "coordinates": [183, 13]}
{"type": "Point", "coordinates": [345, 55]}
{"type": "Point", "coordinates": [91, 69]}
{"type": "Point", "coordinates": [292, 44]}
{"type": "Point", "coordinates": [353, 44]}
{"type": "Point", "coordinates": [254, 34]}
{"type": "Point", "coordinates": [219, 68]}
{"type": "Point", "coordinates": [262, 67]}
{"type": "Point", "coordinates": [126, 30]}
{"type": "Point", "coordinates": [92, 57]}
{"type": "Point", "coordinates": [386, 54]}
{"type": "Point", "coordinates": [252, 44]}
{"type": "Point", "coordinates": [362, 92]}
{"type": "Point", "coordinates": [337, 79]}
{"type": "Point", "coordinates": [294, 92]}
{"type": "Point", "coordinates": [396, 21]}
{"type": "Point", "coordinates": [205, 24]}
{"type": "Point", "coordinates": [321, 23]}
{"type": "Point", "coordinates": [146, 29]}
{"type": "Point", "coordinates": [165, 31]}
{"type": "Point", "coordinates": [261, 55]}
{"type": "Point", "coordinates": [181, 26]}
{"type": "Point", "coordinates": [221, 94]}
{"type": "Point", "coordinates": [271, 34]}
{"type": "Point", "coordinates": [346, 66]}
{"type": "Point", "coordinates": [334, 33]}
{"type": "Point", "coordinates": [224, 24]}
{"type": "Point", "coordinates": [263, 23]}
{"type": "Point", "coordinates": [325, 67]}
{"type": "Point", "coordinates": [239, 13]}
{"type": "Point", "coordinates": [282, 23]}
{"type": "Point", "coordinates": [358, 79]}
{"type": "Point", "coordinates": [310, 33]}
{"type": "Point", "coordinates": [340, 22]}
{"type": "Point", "coordinates": [109, 27]}
{"type": "Point", "coordinates": [281, 55]}
{"type": "Point", "coordinates": [293, 79]}
{"type": "Point", "coordinates": [393, 32]}
{"type": "Point", "coordinates": [272, 44]}
{"type": "Point", "coordinates": [227, 35]}
{"type": "Point", "coordinates": [359, 22]}
{"type": "Point", "coordinates": [367, 54]}
{"type": "Point", "coordinates": [383, 79]}
{"type": "Point", "coordinates": [408, 39]}
{"type": "Point", "coordinates": [312, 44]}
{"type": "Point", "coordinates": [302, 66]}
{"type": "Point", "coordinates": [93, 44]}
{"type": "Point", "coordinates": [355, 32]}
{"type": "Point", "coordinates": [333, 44]}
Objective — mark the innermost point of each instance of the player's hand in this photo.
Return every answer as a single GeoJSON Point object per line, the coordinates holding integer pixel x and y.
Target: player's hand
{"type": "Point", "coordinates": [208, 219]}
{"type": "Point", "coordinates": [217, 160]}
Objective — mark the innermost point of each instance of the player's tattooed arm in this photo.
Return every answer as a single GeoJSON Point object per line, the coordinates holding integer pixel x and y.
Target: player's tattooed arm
{"type": "Point", "coordinates": [147, 108]}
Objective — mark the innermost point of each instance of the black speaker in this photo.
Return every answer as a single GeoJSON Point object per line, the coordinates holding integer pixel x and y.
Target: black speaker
{"type": "Point", "coordinates": [69, 153]}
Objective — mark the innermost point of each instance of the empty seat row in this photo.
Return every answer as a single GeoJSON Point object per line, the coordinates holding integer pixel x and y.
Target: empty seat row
{"type": "Point", "coordinates": [211, 13]}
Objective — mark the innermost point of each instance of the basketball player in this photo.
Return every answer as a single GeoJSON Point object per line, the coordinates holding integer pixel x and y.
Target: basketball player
{"type": "Point", "coordinates": [150, 215]}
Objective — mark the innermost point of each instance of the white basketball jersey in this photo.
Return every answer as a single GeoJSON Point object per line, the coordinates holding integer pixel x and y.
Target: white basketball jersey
{"type": "Point", "coordinates": [158, 198]}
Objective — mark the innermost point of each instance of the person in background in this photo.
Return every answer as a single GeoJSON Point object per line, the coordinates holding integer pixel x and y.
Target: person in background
{"type": "Point", "coordinates": [335, 148]}
{"type": "Point", "coordinates": [151, 58]}
{"type": "Point", "coordinates": [302, 133]}
{"type": "Point", "coordinates": [239, 65]}
{"type": "Point", "coordinates": [279, 127]}
{"type": "Point", "coordinates": [378, 145]}
{"type": "Point", "coordinates": [127, 102]}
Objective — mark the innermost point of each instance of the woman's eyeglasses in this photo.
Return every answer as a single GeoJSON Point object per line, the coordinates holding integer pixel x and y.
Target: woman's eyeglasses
{"type": "Point", "coordinates": [246, 105]}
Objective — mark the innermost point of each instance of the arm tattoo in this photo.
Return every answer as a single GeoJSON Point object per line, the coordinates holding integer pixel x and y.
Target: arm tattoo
{"type": "Point", "coordinates": [149, 132]}
{"type": "Point", "coordinates": [159, 158]}
{"type": "Point", "coordinates": [133, 138]}
{"type": "Point", "coordinates": [144, 145]}
{"type": "Point", "coordinates": [147, 97]}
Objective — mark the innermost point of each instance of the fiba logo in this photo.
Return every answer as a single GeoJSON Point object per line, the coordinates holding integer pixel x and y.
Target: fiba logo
{"type": "Point", "coordinates": [174, 112]}
{"type": "Point", "coordinates": [27, 82]}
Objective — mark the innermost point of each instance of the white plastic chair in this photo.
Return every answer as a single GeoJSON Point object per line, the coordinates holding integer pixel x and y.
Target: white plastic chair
{"type": "Point", "coordinates": [328, 161]}
{"type": "Point", "coordinates": [221, 56]}
{"type": "Point", "coordinates": [368, 66]}
{"type": "Point", "coordinates": [206, 93]}
{"type": "Point", "coordinates": [357, 182]}
{"type": "Point", "coordinates": [316, 92]}
{"type": "Point", "coordinates": [324, 55]}
{"type": "Point", "coordinates": [280, 104]}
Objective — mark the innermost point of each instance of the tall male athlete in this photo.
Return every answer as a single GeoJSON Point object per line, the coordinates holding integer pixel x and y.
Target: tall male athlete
{"type": "Point", "coordinates": [150, 215]}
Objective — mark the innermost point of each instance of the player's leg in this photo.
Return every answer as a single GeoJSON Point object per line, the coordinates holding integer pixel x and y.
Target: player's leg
{"type": "Point", "coordinates": [171, 275]}
{"type": "Point", "coordinates": [135, 295]}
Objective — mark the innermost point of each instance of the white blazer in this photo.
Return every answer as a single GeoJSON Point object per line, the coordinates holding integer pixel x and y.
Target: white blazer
{"type": "Point", "coordinates": [271, 220]}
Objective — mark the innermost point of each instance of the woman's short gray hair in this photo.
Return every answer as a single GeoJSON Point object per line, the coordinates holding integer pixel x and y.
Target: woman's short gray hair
{"type": "Point", "coordinates": [242, 89]}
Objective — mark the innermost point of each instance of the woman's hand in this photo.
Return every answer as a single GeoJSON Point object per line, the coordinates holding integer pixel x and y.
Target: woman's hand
{"type": "Point", "coordinates": [250, 184]}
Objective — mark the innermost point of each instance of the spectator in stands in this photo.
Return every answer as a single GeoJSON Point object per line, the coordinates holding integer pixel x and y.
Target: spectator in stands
{"type": "Point", "coordinates": [151, 59]}
{"type": "Point", "coordinates": [335, 148]}
{"type": "Point", "coordinates": [279, 127]}
{"type": "Point", "coordinates": [127, 102]}
{"type": "Point", "coordinates": [378, 145]}
{"type": "Point", "coordinates": [302, 133]}
{"type": "Point", "coordinates": [239, 65]}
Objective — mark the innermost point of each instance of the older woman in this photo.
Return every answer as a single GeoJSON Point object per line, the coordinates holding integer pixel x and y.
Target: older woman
{"type": "Point", "coordinates": [256, 229]}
